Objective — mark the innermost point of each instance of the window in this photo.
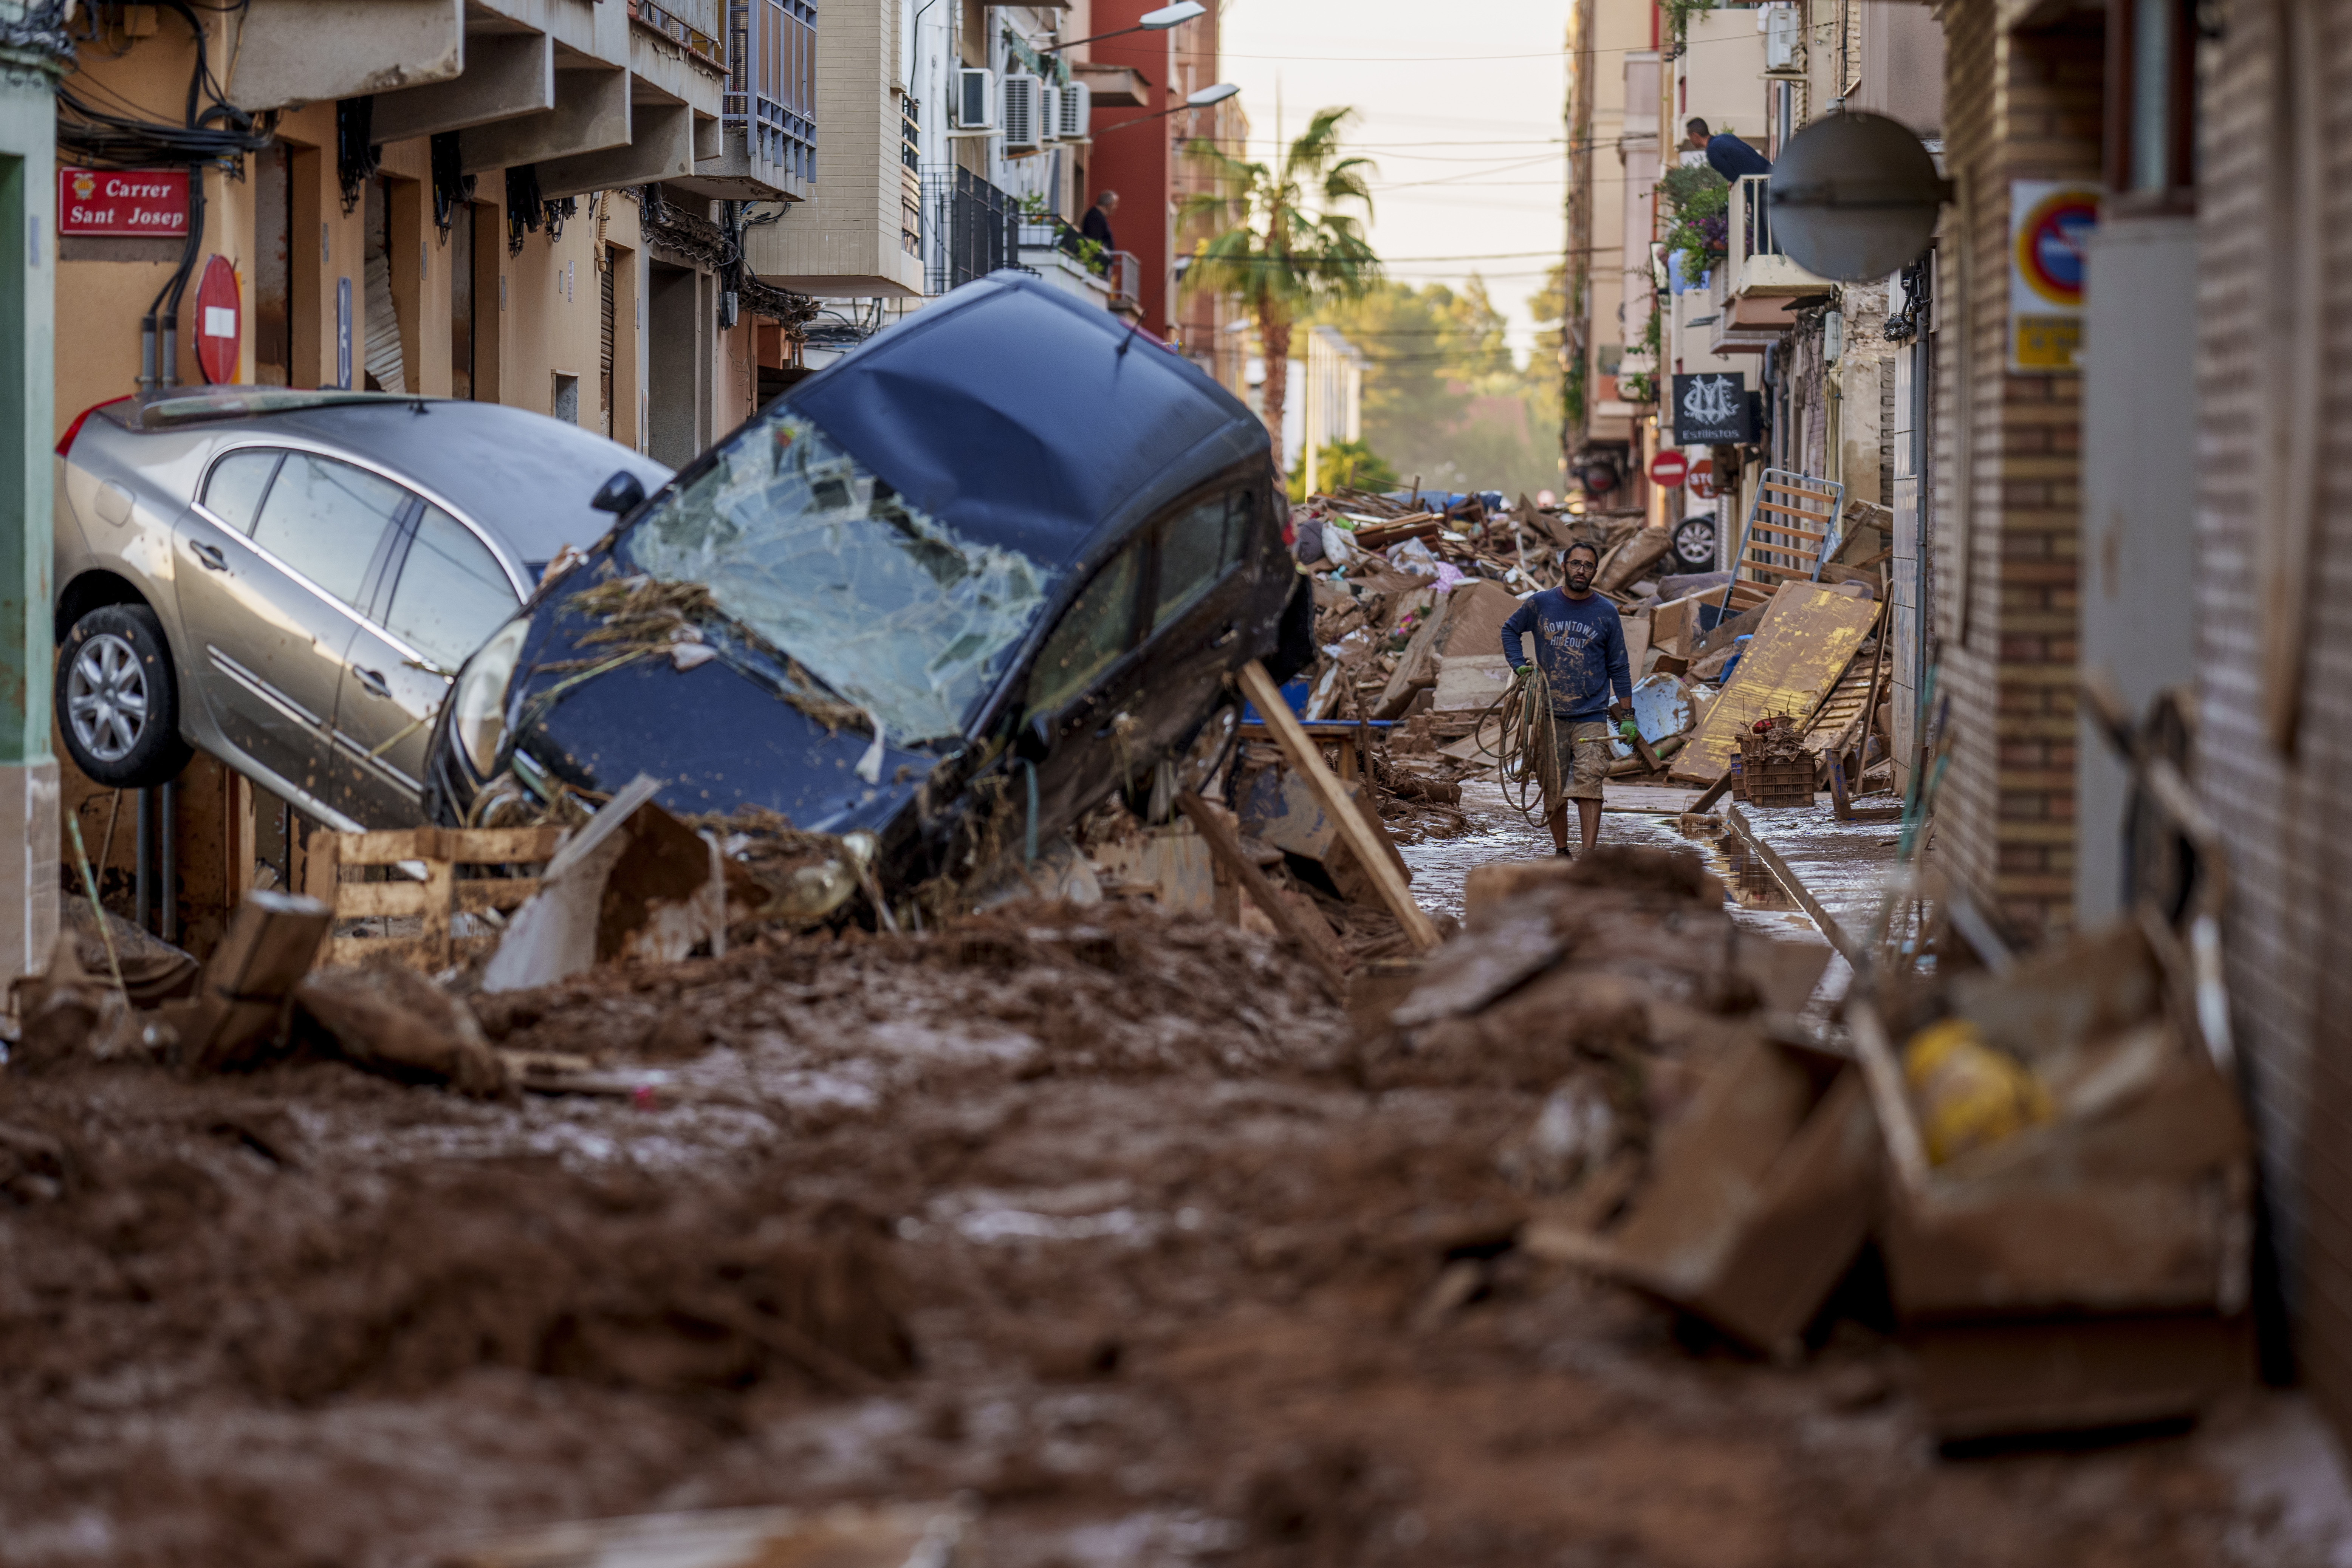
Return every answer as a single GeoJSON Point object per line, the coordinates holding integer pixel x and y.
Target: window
{"type": "Point", "coordinates": [1095, 630]}
{"type": "Point", "coordinates": [325, 519]}
{"type": "Point", "coordinates": [452, 592]}
{"type": "Point", "coordinates": [1196, 545]}
{"type": "Point", "coordinates": [234, 493]}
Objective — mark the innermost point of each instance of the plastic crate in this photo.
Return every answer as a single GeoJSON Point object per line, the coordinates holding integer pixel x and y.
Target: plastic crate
{"type": "Point", "coordinates": [1773, 781]}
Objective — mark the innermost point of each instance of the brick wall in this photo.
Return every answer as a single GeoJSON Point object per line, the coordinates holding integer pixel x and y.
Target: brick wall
{"type": "Point", "coordinates": [2018, 105]}
{"type": "Point", "coordinates": [2289, 924]}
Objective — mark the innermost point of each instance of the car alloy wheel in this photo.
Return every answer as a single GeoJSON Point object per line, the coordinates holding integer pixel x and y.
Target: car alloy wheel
{"type": "Point", "coordinates": [1695, 543]}
{"type": "Point", "coordinates": [106, 696]}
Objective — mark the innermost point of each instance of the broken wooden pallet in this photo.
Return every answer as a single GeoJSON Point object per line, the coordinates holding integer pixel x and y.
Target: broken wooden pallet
{"type": "Point", "coordinates": [511, 857]}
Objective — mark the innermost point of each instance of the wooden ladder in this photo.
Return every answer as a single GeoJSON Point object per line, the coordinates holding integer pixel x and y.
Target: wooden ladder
{"type": "Point", "coordinates": [1792, 524]}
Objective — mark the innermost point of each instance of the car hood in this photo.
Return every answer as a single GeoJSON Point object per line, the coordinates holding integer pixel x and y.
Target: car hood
{"type": "Point", "coordinates": [718, 738]}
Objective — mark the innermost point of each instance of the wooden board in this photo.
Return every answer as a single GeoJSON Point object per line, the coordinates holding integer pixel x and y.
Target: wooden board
{"type": "Point", "coordinates": [1795, 660]}
{"type": "Point", "coordinates": [1367, 843]}
{"type": "Point", "coordinates": [434, 900]}
{"type": "Point", "coordinates": [1664, 800]}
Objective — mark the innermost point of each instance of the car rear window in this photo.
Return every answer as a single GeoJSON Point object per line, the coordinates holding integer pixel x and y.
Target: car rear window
{"type": "Point", "coordinates": [325, 519]}
{"type": "Point", "coordinates": [452, 593]}
{"type": "Point", "coordinates": [238, 481]}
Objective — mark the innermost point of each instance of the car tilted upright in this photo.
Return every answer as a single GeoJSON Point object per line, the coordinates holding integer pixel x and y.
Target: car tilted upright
{"type": "Point", "coordinates": [991, 566]}
{"type": "Point", "coordinates": [288, 579]}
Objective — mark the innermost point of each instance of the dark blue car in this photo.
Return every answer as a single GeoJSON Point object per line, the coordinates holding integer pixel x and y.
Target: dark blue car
{"type": "Point", "coordinates": [1005, 556]}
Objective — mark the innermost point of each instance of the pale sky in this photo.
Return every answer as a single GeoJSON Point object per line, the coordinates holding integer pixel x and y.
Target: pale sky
{"type": "Point", "coordinates": [1460, 107]}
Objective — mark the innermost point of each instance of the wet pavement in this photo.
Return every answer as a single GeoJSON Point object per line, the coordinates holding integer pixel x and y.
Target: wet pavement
{"type": "Point", "coordinates": [1841, 863]}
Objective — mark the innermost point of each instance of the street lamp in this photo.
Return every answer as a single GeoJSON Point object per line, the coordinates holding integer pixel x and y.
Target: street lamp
{"type": "Point", "coordinates": [1216, 93]}
{"type": "Point", "coordinates": [1158, 21]}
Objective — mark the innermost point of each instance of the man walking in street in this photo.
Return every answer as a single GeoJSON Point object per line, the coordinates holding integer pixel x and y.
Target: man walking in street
{"type": "Point", "coordinates": [1581, 649]}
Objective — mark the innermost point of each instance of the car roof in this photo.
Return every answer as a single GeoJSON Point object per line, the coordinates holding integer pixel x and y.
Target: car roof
{"type": "Point", "coordinates": [524, 478]}
{"type": "Point", "coordinates": [1023, 418]}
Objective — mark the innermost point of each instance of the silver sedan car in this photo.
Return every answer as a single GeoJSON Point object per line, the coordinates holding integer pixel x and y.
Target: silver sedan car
{"type": "Point", "coordinates": [287, 580]}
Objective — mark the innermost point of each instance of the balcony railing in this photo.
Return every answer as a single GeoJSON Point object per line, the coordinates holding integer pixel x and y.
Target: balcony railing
{"type": "Point", "coordinates": [771, 81]}
{"type": "Point", "coordinates": [1126, 274]}
{"type": "Point", "coordinates": [973, 228]}
{"type": "Point", "coordinates": [1754, 263]}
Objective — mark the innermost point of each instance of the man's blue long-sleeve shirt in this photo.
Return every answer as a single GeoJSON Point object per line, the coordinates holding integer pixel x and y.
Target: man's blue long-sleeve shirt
{"type": "Point", "coordinates": [1580, 647]}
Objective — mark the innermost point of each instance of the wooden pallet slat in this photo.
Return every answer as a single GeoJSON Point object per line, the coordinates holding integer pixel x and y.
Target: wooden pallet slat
{"type": "Point", "coordinates": [433, 901]}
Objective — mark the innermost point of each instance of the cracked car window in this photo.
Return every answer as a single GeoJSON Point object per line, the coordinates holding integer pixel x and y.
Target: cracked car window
{"type": "Point", "coordinates": [887, 605]}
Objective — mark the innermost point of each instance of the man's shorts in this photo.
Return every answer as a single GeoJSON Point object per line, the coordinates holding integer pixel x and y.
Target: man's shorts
{"type": "Point", "coordinates": [1583, 747]}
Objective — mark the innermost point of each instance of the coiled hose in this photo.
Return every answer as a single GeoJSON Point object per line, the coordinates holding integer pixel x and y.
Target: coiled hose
{"type": "Point", "coordinates": [1526, 751]}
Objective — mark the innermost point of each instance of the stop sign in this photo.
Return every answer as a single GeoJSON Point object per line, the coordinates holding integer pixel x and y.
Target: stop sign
{"type": "Point", "coordinates": [217, 321]}
{"type": "Point", "coordinates": [1669, 468]}
{"type": "Point", "coordinates": [1702, 478]}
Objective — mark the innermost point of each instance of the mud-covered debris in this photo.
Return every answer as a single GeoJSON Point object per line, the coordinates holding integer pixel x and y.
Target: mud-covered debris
{"type": "Point", "coordinates": [237, 1019]}
{"type": "Point", "coordinates": [389, 1019]}
{"type": "Point", "coordinates": [895, 1535]}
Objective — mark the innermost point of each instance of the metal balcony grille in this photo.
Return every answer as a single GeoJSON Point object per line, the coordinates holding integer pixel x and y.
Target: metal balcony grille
{"type": "Point", "coordinates": [771, 81]}
{"type": "Point", "coordinates": [973, 227]}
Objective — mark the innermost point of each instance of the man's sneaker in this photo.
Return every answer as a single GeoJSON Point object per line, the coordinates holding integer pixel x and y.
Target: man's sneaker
{"type": "Point", "coordinates": [1565, 853]}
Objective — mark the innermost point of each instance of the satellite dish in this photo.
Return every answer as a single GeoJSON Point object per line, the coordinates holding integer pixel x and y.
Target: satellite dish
{"type": "Point", "coordinates": [1854, 196]}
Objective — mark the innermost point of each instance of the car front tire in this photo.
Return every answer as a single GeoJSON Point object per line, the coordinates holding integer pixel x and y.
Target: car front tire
{"type": "Point", "coordinates": [118, 699]}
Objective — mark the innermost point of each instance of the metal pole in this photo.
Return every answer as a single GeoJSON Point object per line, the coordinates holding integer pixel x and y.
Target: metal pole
{"type": "Point", "coordinates": [168, 924]}
{"type": "Point", "coordinates": [142, 857]}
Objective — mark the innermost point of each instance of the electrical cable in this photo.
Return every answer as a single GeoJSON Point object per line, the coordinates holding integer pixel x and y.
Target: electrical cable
{"type": "Point", "coordinates": [1525, 752]}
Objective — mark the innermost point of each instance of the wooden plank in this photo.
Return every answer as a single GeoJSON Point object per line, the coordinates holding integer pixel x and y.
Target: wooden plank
{"type": "Point", "coordinates": [417, 952]}
{"type": "Point", "coordinates": [1904, 1147]}
{"type": "Point", "coordinates": [1793, 511]}
{"type": "Point", "coordinates": [1795, 888]}
{"type": "Point", "coordinates": [371, 900]}
{"type": "Point", "coordinates": [1804, 572]}
{"type": "Point", "coordinates": [388, 849]}
{"type": "Point", "coordinates": [1287, 918]}
{"type": "Point", "coordinates": [501, 893]}
{"type": "Point", "coordinates": [439, 875]}
{"type": "Point", "coordinates": [1792, 662]}
{"type": "Point", "coordinates": [501, 845]}
{"type": "Point", "coordinates": [1371, 853]}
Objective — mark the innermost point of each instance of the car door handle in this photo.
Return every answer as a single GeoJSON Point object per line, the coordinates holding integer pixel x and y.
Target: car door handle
{"type": "Point", "coordinates": [210, 555]}
{"type": "Point", "coordinates": [371, 682]}
{"type": "Point", "coordinates": [1230, 631]}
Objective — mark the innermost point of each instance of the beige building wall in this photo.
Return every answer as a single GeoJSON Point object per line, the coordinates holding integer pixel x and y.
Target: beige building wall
{"type": "Point", "coordinates": [848, 241]}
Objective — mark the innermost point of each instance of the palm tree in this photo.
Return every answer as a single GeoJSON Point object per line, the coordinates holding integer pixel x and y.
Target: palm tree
{"type": "Point", "coordinates": [1274, 251]}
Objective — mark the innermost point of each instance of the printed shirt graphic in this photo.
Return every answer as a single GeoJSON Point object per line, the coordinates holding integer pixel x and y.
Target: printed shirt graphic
{"type": "Point", "coordinates": [1580, 647]}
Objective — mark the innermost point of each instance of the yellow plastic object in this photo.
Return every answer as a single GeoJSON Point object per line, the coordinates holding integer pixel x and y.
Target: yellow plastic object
{"type": "Point", "coordinates": [1968, 1094]}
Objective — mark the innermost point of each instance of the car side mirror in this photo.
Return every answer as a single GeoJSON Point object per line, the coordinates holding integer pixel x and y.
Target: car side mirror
{"type": "Point", "coordinates": [620, 493]}
{"type": "Point", "coordinates": [1034, 742]}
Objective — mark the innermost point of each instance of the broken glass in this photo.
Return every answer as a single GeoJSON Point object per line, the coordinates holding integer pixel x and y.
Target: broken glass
{"type": "Point", "coordinates": [800, 543]}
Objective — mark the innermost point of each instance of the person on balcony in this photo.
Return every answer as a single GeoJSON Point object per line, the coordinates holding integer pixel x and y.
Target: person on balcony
{"type": "Point", "coordinates": [1732, 158]}
{"type": "Point", "coordinates": [1096, 224]}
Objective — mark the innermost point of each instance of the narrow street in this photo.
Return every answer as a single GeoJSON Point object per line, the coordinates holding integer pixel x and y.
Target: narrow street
{"type": "Point", "coordinates": [1095, 1219]}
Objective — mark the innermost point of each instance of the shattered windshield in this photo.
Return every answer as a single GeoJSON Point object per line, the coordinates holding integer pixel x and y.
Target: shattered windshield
{"type": "Point", "coordinates": [798, 540]}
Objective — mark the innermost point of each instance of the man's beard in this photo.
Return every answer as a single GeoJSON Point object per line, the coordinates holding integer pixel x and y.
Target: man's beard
{"type": "Point", "coordinates": [1579, 581]}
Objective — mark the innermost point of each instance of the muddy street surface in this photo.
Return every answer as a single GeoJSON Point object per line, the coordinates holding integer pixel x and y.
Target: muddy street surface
{"type": "Point", "coordinates": [1098, 1219]}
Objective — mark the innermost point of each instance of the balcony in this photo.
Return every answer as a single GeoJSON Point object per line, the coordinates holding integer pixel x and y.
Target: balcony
{"type": "Point", "coordinates": [973, 225]}
{"type": "Point", "coordinates": [1126, 274]}
{"type": "Point", "coordinates": [1751, 287]}
{"type": "Point", "coordinates": [767, 123]}
{"type": "Point", "coordinates": [1051, 248]}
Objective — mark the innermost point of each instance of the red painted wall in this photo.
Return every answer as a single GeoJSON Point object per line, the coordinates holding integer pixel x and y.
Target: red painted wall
{"type": "Point", "coordinates": [1134, 161]}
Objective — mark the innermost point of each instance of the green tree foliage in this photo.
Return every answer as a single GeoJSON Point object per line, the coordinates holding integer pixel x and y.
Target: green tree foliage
{"type": "Point", "coordinates": [1445, 396]}
{"type": "Point", "coordinates": [1282, 244]}
{"type": "Point", "coordinates": [1344, 465]}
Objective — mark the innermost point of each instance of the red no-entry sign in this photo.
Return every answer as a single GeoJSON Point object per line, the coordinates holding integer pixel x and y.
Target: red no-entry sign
{"type": "Point", "coordinates": [1669, 468]}
{"type": "Point", "coordinates": [217, 321]}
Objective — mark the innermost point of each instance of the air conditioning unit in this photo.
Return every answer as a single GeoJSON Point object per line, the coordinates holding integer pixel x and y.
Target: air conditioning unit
{"type": "Point", "coordinates": [1049, 114]}
{"type": "Point", "coordinates": [1077, 108]}
{"type": "Point", "coordinates": [976, 99]}
{"type": "Point", "coordinates": [1023, 113]}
